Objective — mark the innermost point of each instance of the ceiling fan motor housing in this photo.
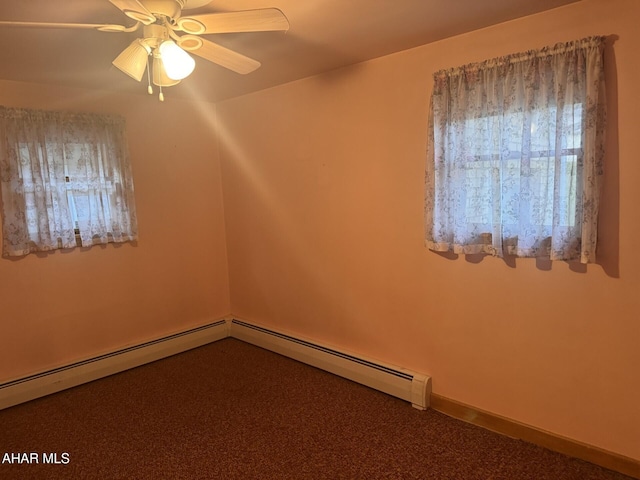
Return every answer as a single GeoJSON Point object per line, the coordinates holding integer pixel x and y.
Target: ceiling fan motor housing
{"type": "Point", "coordinates": [154, 34]}
{"type": "Point", "coordinates": [171, 8]}
{"type": "Point", "coordinates": [167, 8]}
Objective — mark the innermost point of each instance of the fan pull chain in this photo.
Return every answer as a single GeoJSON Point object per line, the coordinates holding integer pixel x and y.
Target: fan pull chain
{"type": "Point", "coordinates": [149, 88]}
{"type": "Point", "coordinates": [161, 96]}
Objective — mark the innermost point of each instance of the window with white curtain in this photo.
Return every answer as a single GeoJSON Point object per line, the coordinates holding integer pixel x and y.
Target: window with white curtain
{"type": "Point", "coordinates": [515, 154]}
{"type": "Point", "coordinates": [65, 180]}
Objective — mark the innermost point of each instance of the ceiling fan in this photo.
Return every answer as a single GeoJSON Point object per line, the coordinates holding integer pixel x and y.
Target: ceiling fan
{"type": "Point", "coordinates": [168, 34]}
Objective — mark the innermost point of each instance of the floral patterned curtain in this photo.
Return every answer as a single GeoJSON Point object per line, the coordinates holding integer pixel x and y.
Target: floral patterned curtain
{"type": "Point", "coordinates": [515, 154]}
{"type": "Point", "coordinates": [65, 180]}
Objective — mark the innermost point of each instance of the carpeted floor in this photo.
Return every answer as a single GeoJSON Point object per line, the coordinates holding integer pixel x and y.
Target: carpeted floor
{"type": "Point", "coordinates": [230, 410]}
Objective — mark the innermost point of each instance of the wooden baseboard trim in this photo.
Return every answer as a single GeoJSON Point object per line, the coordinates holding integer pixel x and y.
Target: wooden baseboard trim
{"type": "Point", "coordinates": [557, 443]}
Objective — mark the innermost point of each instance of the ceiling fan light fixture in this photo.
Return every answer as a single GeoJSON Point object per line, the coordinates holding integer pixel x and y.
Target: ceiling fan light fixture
{"type": "Point", "coordinates": [169, 38]}
{"type": "Point", "coordinates": [177, 63]}
{"type": "Point", "coordinates": [160, 77]}
{"type": "Point", "coordinates": [133, 59]}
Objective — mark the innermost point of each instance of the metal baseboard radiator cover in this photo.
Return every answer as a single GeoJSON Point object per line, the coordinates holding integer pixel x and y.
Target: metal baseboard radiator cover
{"type": "Point", "coordinates": [407, 385]}
{"type": "Point", "coordinates": [57, 379]}
{"type": "Point", "coordinates": [410, 386]}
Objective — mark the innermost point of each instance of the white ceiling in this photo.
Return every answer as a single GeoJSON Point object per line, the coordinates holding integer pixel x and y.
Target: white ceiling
{"type": "Point", "coordinates": [324, 35]}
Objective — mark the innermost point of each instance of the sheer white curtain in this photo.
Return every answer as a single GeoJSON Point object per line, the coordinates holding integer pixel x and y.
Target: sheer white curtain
{"type": "Point", "coordinates": [61, 174]}
{"type": "Point", "coordinates": [515, 154]}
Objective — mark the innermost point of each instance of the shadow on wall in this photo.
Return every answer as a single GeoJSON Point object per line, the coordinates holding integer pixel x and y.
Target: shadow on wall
{"type": "Point", "coordinates": [608, 253]}
{"type": "Point", "coordinates": [541, 263]}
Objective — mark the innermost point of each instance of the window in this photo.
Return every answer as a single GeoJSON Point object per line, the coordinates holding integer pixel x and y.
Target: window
{"type": "Point", "coordinates": [515, 154]}
{"type": "Point", "coordinates": [65, 181]}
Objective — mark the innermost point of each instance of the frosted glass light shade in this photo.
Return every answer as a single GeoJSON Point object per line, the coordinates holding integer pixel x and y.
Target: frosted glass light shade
{"type": "Point", "coordinates": [160, 77]}
{"type": "Point", "coordinates": [133, 60]}
{"type": "Point", "coordinates": [178, 64]}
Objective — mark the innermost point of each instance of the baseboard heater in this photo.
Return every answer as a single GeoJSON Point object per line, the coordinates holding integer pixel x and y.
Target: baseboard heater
{"type": "Point", "coordinates": [410, 386]}
{"type": "Point", "coordinates": [55, 380]}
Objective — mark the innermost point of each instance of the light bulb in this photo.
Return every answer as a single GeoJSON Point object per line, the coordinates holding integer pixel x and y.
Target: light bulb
{"type": "Point", "coordinates": [160, 76]}
{"type": "Point", "coordinates": [178, 64]}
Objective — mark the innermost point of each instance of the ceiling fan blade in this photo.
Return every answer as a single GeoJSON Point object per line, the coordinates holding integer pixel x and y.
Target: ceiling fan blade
{"type": "Point", "coordinates": [134, 9]}
{"type": "Point", "coordinates": [261, 20]}
{"type": "Point", "coordinates": [86, 26]}
{"type": "Point", "coordinates": [218, 54]}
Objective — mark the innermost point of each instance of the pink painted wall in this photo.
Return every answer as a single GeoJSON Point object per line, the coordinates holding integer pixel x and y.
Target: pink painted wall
{"type": "Point", "coordinates": [323, 190]}
{"type": "Point", "coordinates": [67, 306]}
